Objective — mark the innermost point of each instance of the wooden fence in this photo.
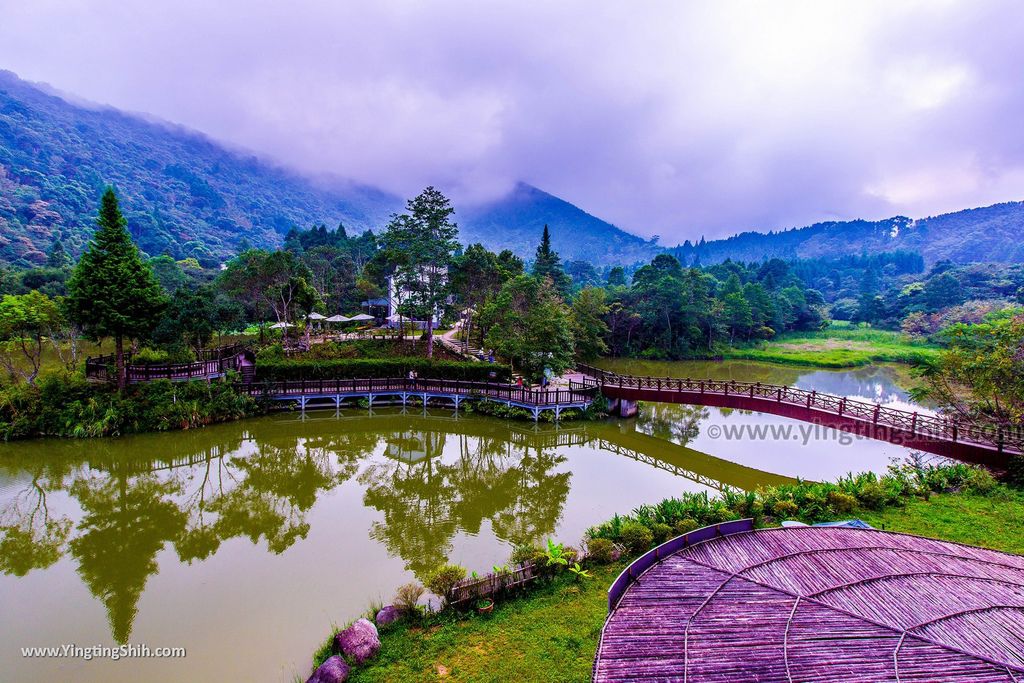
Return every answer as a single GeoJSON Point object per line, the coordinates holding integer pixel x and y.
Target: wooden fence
{"type": "Point", "coordinates": [212, 362]}
{"type": "Point", "coordinates": [935, 427]}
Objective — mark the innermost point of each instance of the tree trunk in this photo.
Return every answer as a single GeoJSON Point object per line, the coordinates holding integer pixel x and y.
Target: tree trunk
{"type": "Point", "coordinates": [430, 335]}
{"type": "Point", "coordinates": [119, 355]}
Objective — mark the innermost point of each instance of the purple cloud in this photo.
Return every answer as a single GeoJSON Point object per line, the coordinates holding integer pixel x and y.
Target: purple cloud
{"type": "Point", "coordinates": [678, 119]}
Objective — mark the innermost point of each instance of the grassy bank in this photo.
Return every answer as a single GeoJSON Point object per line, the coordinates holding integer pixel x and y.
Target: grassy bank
{"type": "Point", "coordinates": [552, 632]}
{"type": "Point", "coordinates": [838, 346]}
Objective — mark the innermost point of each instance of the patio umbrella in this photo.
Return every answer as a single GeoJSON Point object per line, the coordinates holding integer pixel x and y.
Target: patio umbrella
{"type": "Point", "coordinates": [337, 319]}
{"type": "Point", "coordinates": [317, 316]}
{"type": "Point", "coordinates": [361, 316]}
{"type": "Point", "coordinates": [280, 326]}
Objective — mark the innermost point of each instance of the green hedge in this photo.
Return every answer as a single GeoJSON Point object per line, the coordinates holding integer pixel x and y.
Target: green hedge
{"type": "Point", "coordinates": [377, 368]}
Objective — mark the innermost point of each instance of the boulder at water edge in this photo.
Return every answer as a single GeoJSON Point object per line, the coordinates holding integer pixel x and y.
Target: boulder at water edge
{"type": "Point", "coordinates": [358, 642]}
{"type": "Point", "coordinates": [386, 615]}
{"type": "Point", "coordinates": [334, 670]}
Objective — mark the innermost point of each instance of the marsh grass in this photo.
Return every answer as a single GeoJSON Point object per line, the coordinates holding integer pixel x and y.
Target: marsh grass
{"type": "Point", "coordinates": [839, 346]}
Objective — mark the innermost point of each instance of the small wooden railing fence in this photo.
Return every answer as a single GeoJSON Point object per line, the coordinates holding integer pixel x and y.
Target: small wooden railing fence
{"type": "Point", "coordinates": [211, 362]}
{"type": "Point", "coordinates": [935, 427]}
{"type": "Point", "coordinates": [492, 584]}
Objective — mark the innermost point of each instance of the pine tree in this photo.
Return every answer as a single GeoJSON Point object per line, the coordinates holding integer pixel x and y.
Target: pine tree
{"type": "Point", "coordinates": [58, 256]}
{"type": "Point", "coordinates": [548, 264]}
{"type": "Point", "coordinates": [112, 291]}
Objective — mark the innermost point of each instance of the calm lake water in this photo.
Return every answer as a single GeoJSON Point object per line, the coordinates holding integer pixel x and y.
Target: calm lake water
{"type": "Point", "coordinates": [244, 542]}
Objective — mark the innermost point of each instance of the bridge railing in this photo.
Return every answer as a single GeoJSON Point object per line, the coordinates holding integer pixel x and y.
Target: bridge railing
{"type": "Point", "coordinates": [580, 393]}
{"type": "Point", "coordinates": [914, 423]}
{"type": "Point", "coordinates": [212, 361]}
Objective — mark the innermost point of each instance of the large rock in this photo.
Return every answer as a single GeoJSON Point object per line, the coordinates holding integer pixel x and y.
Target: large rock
{"type": "Point", "coordinates": [334, 670]}
{"type": "Point", "coordinates": [358, 642]}
{"type": "Point", "coordinates": [386, 615]}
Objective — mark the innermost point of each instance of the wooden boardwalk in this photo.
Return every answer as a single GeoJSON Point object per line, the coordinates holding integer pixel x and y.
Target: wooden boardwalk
{"type": "Point", "coordinates": [333, 392]}
{"type": "Point", "coordinates": [942, 436]}
{"type": "Point", "coordinates": [818, 604]}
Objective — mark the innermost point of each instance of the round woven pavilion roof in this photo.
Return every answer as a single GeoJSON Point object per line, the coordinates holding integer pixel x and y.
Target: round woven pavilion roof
{"type": "Point", "coordinates": [820, 604]}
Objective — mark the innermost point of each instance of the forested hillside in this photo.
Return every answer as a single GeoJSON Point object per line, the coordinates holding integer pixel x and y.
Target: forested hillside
{"type": "Point", "coordinates": [184, 195]}
{"type": "Point", "coordinates": [187, 196]}
{"type": "Point", "coordinates": [516, 222]}
{"type": "Point", "coordinates": [991, 234]}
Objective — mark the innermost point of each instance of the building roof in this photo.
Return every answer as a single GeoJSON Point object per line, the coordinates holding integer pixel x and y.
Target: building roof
{"type": "Point", "coordinates": [820, 604]}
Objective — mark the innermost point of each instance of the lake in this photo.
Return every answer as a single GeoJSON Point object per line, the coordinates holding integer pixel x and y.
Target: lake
{"type": "Point", "coordinates": [245, 542]}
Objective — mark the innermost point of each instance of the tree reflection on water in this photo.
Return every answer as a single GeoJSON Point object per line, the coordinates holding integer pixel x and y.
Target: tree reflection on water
{"type": "Point", "coordinates": [260, 484]}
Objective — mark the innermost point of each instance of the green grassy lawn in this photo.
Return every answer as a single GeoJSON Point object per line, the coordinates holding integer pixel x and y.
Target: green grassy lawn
{"type": "Point", "coordinates": [552, 634]}
{"type": "Point", "coordinates": [995, 521]}
{"type": "Point", "coordinates": [838, 346]}
{"type": "Point", "coordinates": [549, 635]}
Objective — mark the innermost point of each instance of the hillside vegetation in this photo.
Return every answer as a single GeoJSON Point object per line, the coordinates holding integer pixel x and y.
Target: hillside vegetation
{"type": "Point", "coordinates": [991, 233]}
{"type": "Point", "coordinates": [187, 196]}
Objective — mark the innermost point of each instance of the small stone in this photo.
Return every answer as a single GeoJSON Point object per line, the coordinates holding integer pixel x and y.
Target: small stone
{"type": "Point", "coordinates": [334, 670]}
{"type": "Point", "coordinates": [386, 615]}
{"type": "Point", "coordinates": [359, 642]}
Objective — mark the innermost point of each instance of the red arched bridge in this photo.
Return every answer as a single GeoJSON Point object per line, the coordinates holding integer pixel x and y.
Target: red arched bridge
{"type": "Point", "coordinates": [940, 435]}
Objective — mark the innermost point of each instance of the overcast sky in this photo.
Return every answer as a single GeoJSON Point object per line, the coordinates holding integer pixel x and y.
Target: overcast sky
{"type": "Point", "coordinates": [675, 118]}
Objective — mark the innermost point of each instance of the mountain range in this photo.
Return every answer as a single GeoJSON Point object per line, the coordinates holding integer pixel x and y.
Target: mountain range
{"type": "Point", "coordinates": [992, 234]}
{"type": "Point", "coordinates": [186, 195]}
{"type": "Point", "coordinates": [189, 196]}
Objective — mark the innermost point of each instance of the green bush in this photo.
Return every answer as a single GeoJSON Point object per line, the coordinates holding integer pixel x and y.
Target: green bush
{"type": "Point", "coordinates": [270, 353]}
{"type": "Point", "coordinates": [528, 553]}
{"type": "Point", "coordinates": [685, 526]}
{"type": "Point", "coordinates": [785, 508]}
{"type": "Point", "coordinates": [600, 551]}
{"type": "Point", "coordinates": [148, 356]}
{"type": "Point", "coordinates": [69, 406]}
{"type": "Point", "coordinates": [1015, 471]}
{"type": "Point", "coordinates": [840, 502]}
{"type": "Point", "coordinates": [660, 532]}
{"type": "Point", "coordinates": [444, 579]}
{"type": "Point", "coordinates": [636, 537]}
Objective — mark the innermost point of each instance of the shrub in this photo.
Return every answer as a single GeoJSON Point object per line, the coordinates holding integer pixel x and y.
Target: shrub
{"type": "Point", "coordinates": [273, 352]}
{"type": "Point", "coordinates": [407, 598]}
{"type": "Point", "coordinates": [600, 550]}
{"type": "Point", "coordinates": [444, 579]}
{"type": "Point", "coordinates": [686, 525]}
{"type": "Point", "coordinates": [841, 503]}
{"type": "Point", "coordinates": [980, 481]}
{"type": "Point", "coordinates": [527, 553]}
{"type": "Point", "coordinates": [784, 508]}
{"type": "Point", "coordinates": [660, 532]}
{"type": "Point", "coordinates": [69, 406]}
{"type": "Point", "coordinates": [1015, 471]}
{"type": "Point", "coordinates": [636, 537]}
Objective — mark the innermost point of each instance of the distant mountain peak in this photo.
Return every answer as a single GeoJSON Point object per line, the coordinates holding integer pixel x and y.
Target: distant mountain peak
{"type": "Point", "coordinates": [187, 195]}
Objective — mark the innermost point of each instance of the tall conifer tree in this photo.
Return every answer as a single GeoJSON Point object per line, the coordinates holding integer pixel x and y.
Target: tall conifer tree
{"type": "Point", "coordinates": [547, 264]}
{"type": "Point", "coordinates": [112, 291]}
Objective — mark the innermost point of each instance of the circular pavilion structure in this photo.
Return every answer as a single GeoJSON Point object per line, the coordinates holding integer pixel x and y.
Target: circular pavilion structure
{"type": "Point", "coordinates": [815, 604]}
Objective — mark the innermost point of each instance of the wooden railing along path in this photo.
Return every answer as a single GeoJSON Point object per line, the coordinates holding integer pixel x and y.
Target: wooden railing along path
{"type": "Point", "coordinates": [213, 362]}
{"type": "Point", "coordinates": [577, 393]}
{"type": "Point", "coordinates": [936, 434]}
